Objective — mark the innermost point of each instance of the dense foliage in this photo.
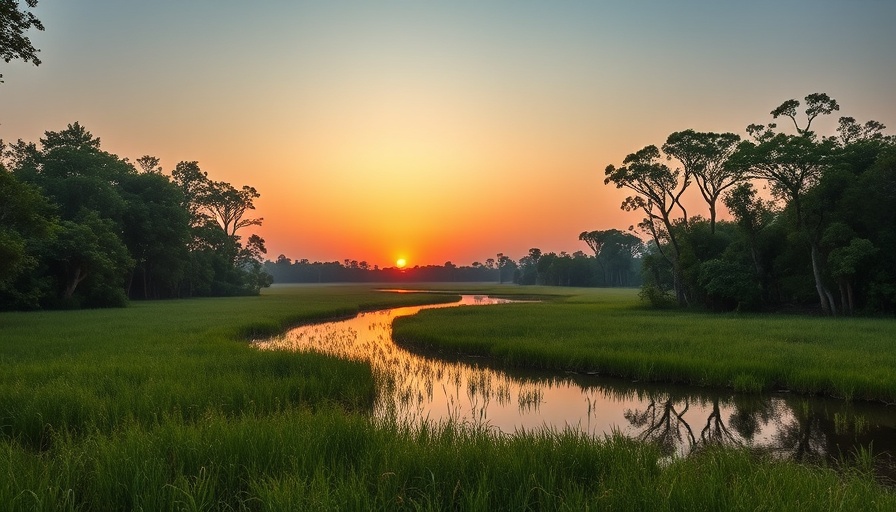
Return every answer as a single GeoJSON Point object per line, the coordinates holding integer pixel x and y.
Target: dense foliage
{"type": "Point", "coordinates": [825, 233]}
{"type": "Point", "coordinates": [81, 227]}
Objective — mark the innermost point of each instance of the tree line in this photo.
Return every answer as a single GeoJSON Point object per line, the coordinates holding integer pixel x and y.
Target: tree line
{"type": "Point", "coordinates": [81, 227]}
{"type": "Point", "coordinates": [823, 232]}
{"type": "Point", "coordinates": [616, 262]}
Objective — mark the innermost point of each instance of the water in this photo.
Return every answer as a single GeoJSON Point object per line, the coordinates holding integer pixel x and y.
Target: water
{"type": "Point", "coordinates": [418, 387]}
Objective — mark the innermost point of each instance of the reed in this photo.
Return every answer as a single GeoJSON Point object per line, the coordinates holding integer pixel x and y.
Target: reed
{"type": "Point", "coordinates": [330, 460]}
{"type": "Point", "coordinates": [610, 334]}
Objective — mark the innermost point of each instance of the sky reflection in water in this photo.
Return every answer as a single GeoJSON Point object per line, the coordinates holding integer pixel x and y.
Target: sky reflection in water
{"type": "Point", "coordinates": [416, 388]}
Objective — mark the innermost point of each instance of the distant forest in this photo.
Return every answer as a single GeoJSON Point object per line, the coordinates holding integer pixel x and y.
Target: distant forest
{"type": "Point", "coordinates": [80, 227]}
{"type": "Point", "coordinates": [616, 262]}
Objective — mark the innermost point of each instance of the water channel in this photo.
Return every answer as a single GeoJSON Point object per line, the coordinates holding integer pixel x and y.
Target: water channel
{"type": "Point", "coordinates": [418, 387]}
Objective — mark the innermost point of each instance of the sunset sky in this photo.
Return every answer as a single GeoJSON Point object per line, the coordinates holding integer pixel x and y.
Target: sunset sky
{"type": "Point", "coordinates": [435, 131]}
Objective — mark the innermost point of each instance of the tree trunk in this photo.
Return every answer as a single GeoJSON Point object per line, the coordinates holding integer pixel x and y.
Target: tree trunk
{"type": "Point", "coordinates": [826, 306]}
{"type": "Point", "coordinates": [74, 282]}
{"type": "Point", "coordinates": [844, 301]}
{"type": "Point", "coordinates": [850, 297]}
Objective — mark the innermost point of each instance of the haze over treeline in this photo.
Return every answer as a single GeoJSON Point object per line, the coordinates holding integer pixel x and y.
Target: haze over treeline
{"type": "Point", "coordinates": [617, 263]}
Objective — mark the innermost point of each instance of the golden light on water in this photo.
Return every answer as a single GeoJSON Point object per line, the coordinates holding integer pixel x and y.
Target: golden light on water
{"type": "Point", "coordinates": [415, 389]}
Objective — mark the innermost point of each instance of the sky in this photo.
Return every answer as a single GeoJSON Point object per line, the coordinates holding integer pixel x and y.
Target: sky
{"type": "Point", "coordinates": [435, 131]}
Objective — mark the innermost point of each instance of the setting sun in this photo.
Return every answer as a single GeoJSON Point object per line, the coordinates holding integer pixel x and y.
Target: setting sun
{"type": "Point", "coordinates": [401, 263]}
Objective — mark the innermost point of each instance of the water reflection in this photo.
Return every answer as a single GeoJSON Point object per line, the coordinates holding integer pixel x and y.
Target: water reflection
{"type": "Point", "coordinates": [416, 387]}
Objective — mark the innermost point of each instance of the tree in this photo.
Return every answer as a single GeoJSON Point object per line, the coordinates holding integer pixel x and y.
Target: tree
{"type": "Point", "coordinates": [194, 185]}
{"type": "Point", "coordinates": [617, 257]}
{"type": "Point", "coordinates": [752, 215]}
{"type": "Point", "coordinates": [228, 205]}
{"type": "Point", "coordinates": [704, 155]}
{"type": "Point", "coordinates": [659, 190]}
{"type": "Point", "coordinates": [504, 265]}
{"type": "Point", "coordinates": [149, 164]}
{"type": "Point", "coordinates": [816, 104]}
{"type": "Point", "coordinates": [594, 240]}
{"type": "Point", "coordinates": [81, 226]}
{"type": "Point", "coordinates": [27, 222]}
{"type": "Point", "coordinates": [217, 201]}
{"type": "Point", "coordinates": [87, 256]}
{"type": "Point", "coordinates": [850, 131]}
{"type": "Point", "coordinates": [792, 164]}
{"type": "Point", "coordinates": [89, 248]}
{"type": "Point", "coordinates": [14, 22]}
{"type": "Point", "coordinates": [156, 230]}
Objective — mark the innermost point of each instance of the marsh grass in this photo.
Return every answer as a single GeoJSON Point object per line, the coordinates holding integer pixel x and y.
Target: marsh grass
{"type": "Point", "coordinates": [610, 334]}
{"type": "Point", "coordinates": [78, 371]}
{"type": "Point", "coordinates": [163, 406]}
{"type": "Point", "coordinates": [330, 460]}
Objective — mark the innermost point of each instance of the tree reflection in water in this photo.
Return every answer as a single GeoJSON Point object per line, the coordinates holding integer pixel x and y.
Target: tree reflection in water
{"type": "Point", "coordinates": [418, 387]}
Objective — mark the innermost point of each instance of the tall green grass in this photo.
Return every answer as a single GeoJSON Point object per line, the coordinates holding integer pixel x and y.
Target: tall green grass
{"type": "Point", "coordinates": [328, 460]}
{"type": "Point", "coordinates": [78, 371]}
{"type": "Point", "coordinates": [164, 406]}
{"type": "Point", "coordinates": [609, 333]}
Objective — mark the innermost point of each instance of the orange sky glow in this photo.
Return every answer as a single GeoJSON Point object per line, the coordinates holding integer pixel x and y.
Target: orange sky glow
{"type": "Point", "coordinates": [434, 132]}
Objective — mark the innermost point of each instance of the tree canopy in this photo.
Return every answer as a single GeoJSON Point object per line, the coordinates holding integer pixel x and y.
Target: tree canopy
{"type": "Point", "coordinates": [83, 227]}
{"type": "Point", "coordinates": [824, 230]}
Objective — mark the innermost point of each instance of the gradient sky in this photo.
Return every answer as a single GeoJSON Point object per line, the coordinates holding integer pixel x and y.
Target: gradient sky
{"type": "Point", "coordinates": [446, 131]}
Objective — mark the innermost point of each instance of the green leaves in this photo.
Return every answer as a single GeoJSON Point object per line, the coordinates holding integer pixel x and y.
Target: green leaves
{"type": "Point", "coordinates": [14, 44]}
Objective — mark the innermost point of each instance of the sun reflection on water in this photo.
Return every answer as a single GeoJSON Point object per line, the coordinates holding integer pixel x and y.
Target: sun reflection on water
{"type": "Point", "coordinates": [413, 389]}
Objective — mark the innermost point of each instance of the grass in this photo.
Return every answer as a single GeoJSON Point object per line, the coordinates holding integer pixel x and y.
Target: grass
{"type": "Point", "coordinates": [76, 371]}
{"type": "Point", "coordinates": [609, 333]}
{"type": "Point", "coordinates": [327, 460]}
{"type": "Point", "coordinates": [163, 406]}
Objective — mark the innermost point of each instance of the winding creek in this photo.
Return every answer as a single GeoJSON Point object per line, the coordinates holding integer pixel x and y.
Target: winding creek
{"type": "Point", "coordinates": [417, 388]}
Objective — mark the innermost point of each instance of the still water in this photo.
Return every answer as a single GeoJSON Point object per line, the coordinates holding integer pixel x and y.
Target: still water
{"type": "Point", "coordinates": [420, 387]}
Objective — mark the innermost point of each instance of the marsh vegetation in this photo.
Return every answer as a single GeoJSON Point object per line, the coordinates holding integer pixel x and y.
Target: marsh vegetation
{"type": "Point", "coordinates": [165, 406]}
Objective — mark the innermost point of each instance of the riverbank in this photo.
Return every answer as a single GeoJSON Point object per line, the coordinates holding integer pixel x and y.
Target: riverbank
{"type": "Point", "coordinates": [163, 406]}
{"type": "Point", "coordinates": [610, 333]}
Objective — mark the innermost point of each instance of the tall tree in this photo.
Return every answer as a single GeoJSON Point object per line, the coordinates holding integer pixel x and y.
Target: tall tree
{"type": "Point", "coordinates": [228, 206]}
{"type": "Point", "coordinates": [156, 230]}
{"type": "Point", "coordinates": [817, 104]}
{"type": "Point", "coordinates": [658, 191]}
{"type": "Point", "coordinates": [792, 165]}
{"type": "Point", "coordinates": [194, 185]}
{"type": "Point", "coordinates": [704, 156]}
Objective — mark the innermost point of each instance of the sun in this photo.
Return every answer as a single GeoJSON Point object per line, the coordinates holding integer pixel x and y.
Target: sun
{"type": "Point", "coordinates": [401, 262]}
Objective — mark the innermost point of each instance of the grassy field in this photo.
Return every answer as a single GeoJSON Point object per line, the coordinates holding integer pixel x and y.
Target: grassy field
{"type": "Point", "coordinates": [609, 332]}
{"type": "Point", "coordinates": [164, 406]}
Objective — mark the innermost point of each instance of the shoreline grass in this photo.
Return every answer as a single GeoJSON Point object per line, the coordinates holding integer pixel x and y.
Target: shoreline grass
{"type": "Point", "coordinates": [160, 406]}
{"type": "Point", "coordinates": [329, 460]}
{"type": "Point", "coordinates": [88, 370]}
{"type": "Point", "coordinates": [589, 331]}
